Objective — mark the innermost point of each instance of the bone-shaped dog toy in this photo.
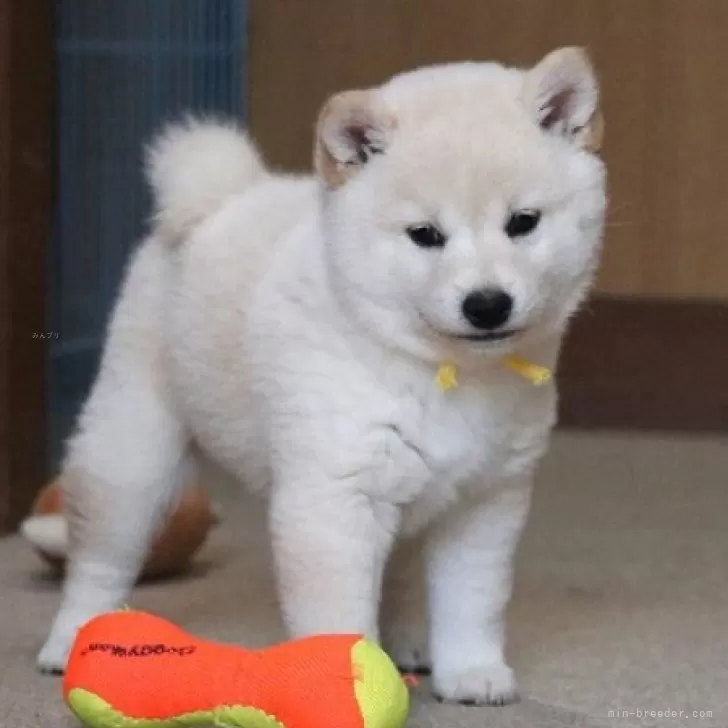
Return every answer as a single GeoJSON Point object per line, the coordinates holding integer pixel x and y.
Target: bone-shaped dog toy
{"type": "Point", "coordinates": [131, 669]}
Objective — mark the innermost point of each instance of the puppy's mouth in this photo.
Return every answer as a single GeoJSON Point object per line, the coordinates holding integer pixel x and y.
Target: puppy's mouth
{"type": "Point", "coordinates": [475, 337]}
{"type": "Point", "coordinates": [486, 335]}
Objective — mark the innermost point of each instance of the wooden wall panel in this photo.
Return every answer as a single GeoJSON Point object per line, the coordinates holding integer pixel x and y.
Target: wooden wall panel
{"type": "Point", "coordinates": [663, 68]}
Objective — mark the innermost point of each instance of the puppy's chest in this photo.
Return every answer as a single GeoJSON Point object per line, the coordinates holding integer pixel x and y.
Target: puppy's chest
{"type": "Point", "coordinates": [450, 442]}
{"type": "Point", "coordinates": [457, 439]}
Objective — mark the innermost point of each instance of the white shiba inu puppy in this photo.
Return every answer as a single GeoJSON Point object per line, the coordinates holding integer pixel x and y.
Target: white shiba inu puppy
{"type": "Point", "coordinates": [291, 329]}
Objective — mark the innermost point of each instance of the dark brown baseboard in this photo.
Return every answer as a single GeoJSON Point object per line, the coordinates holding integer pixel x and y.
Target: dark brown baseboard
{"type": "Point", "coordinates": [646, 365]}
{"type": "Point", "coordinates": [26, 175]}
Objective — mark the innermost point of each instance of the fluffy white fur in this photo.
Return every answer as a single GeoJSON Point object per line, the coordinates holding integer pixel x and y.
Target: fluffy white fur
{"type": "Point", "coordinates": [288, 329]}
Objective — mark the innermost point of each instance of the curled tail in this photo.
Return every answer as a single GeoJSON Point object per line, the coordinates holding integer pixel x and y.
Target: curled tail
{"type": "Point", "coordinates": [193, 167]}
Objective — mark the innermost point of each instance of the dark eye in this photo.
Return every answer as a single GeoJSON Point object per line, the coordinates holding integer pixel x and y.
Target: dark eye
{"type": "Point", "coordinates": [426, 236]}
{"type": "Point", "coordinates": [522, 223]}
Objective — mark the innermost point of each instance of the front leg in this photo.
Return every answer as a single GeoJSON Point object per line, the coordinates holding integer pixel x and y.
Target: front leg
{"type": "Point", "coordinates": [470, 557]}
{"type": "Point", "coordinates": [330, 544]}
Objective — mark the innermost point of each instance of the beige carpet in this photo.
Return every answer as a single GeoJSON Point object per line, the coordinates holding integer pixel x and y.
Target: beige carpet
{"type": "Point", "coordinates": [621, 602]}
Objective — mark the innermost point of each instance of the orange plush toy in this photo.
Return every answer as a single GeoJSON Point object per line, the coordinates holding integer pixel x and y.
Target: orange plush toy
{"type": "Point", "coordinates": [134, 670]}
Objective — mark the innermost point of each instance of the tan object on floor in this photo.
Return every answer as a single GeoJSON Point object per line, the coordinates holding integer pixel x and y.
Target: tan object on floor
{"type": "Point", "coordinates": [176, 543]}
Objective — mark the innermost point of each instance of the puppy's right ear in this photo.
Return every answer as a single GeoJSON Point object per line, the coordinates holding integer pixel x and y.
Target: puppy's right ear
{"type": "Point", "coordinates": [351, 129]}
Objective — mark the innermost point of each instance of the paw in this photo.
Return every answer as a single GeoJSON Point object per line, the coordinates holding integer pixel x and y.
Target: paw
{"type": "Point", "coordinates": [53, 657]}
{"type": "Point", "coordinates": [492, 684]}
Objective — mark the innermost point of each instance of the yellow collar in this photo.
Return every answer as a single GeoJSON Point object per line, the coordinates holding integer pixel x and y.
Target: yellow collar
{"type": "Point", "coordinates": [537, 375]}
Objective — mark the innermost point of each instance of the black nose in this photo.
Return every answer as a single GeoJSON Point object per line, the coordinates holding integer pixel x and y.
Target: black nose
{"type": "Point", "coordinates": [487, 309]}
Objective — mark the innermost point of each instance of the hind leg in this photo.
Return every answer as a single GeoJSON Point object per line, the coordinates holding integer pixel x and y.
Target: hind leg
{"type": "Point", "coordinates": [123, 467]}
{"type": "Point", "coordinates": [125, 461]}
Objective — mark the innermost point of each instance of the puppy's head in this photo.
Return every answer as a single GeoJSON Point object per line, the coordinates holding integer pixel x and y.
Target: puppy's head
{"type": "Point", "coordinates": [464, 203]}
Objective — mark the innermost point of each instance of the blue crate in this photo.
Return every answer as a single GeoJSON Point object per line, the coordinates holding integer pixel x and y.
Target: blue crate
{"type": "Point", "coordinates": [124, 67]}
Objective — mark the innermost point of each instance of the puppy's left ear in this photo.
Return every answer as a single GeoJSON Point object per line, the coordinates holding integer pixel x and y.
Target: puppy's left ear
{"type": "Point", "coordinates": [352, 128]}
{"type": "Point", "coordinates": [562, 93]}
